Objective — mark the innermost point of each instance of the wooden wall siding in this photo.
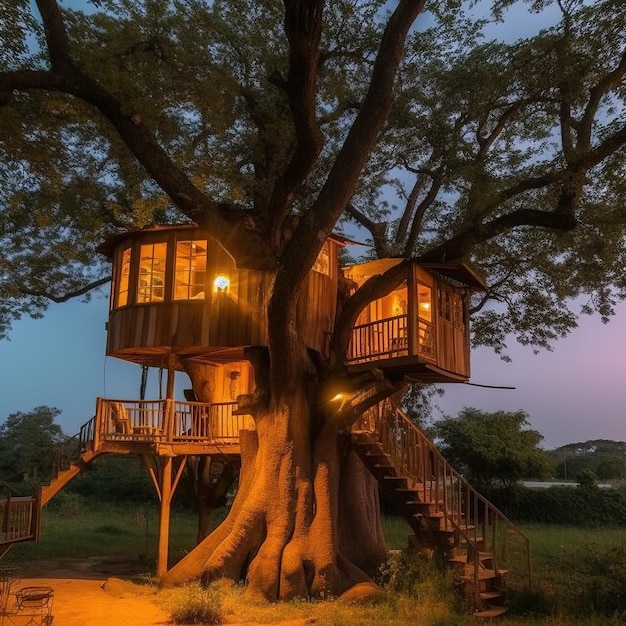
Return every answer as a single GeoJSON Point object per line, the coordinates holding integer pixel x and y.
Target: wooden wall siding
{"type": "Point", "coordinates": [316, 310]}
{"type": "Point", "coordinates": [233, 318]}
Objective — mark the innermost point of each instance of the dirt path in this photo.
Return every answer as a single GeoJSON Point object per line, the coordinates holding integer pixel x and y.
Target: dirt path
{"type": "Point", "coordinates": [93, 592]}
{"type": "Point", "coordinates": [86, 595]}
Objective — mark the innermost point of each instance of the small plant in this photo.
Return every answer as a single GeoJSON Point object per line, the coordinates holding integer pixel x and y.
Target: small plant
{"type": "Point", "coordinates": [194, 604]}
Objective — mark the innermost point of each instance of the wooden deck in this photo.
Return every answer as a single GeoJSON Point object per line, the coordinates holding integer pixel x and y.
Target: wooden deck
{"type": "Point", "coordinates": [164, 427]}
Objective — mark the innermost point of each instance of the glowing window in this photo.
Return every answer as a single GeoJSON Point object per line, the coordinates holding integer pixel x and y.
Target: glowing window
{"type": "Point", "coordinates": [190, 270]}
{"type": "Point", "coordinates": [122, 285]}
{"type": "Point", "coordinates": [150, 287]}
{"type": "Point", "coordinates": [424, 303]}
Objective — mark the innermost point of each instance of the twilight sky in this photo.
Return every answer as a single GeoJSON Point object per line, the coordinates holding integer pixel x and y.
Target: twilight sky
{"type": "Point", "coordinates": [575, 393]}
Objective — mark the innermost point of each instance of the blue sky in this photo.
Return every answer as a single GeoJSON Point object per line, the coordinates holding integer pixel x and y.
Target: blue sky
{"type": "Point", "coordinates": [575, 393]}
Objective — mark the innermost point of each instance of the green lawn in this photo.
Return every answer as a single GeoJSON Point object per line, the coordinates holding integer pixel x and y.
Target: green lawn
{"type": "Point", "coordinates": [579, 574]}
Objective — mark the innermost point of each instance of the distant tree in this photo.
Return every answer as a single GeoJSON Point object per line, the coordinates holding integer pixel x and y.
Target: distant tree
{"type": "Point", "coordinates": [491, 447]}
{"type": "Point", "coordinates": [604, 457]}
{"type": "Point", "coordinates": [27, 444]}
{"type": "Point", "coordinates": [587, 481]}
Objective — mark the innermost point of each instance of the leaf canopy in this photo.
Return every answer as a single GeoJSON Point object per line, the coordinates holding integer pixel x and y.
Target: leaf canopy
{"type": "Point", "coordinates": [239, 114]}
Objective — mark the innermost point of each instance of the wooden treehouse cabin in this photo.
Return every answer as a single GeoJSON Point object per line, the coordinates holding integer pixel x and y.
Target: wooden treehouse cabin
{"type": "Point", "coordinates": [421, 329]}
{"type": "Point", "coordinates": [179, 303]}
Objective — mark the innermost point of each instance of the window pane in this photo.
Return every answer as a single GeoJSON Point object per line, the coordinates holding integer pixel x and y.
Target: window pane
{"type": "Point", "coordinates": [424, 302]}
{"type": "Point", "coordinates": [122, 287]}
{"type": "Point", "coordinates": [151, 273]}
{"type": "Point", "coordinates": [190, 270]}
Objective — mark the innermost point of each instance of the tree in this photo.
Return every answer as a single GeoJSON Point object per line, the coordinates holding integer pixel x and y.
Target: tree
{"type": "Point", "coordinates": [492, 447]}
{"type": "Point", "coordinates": [605, 458]}
{"type": "Point", "coordinates": [271, 124]}
{"type": "Point", "coordinates": [27, 444]}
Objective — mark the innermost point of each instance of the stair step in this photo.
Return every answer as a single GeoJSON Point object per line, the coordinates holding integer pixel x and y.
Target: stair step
{"type": "Point", "coordinates": [492, 611]}
{"type": "Point", "coordinates": [460, 559]}
{"type": "Point", "coordinates": [490, 595]}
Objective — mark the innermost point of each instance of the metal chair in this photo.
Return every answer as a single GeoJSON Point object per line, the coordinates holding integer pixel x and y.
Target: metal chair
{"type": "Point", "coordinates": [34, 604]}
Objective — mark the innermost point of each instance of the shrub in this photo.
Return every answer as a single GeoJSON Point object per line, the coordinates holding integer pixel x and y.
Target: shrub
{"type": "Point", "coordinates": [587, 507]}
{"type": "Point", "coordinates": [194, 604]}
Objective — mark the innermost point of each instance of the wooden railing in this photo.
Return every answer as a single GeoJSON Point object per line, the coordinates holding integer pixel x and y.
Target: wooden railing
{"type": "Point", "coordinates": [167, 421]}
{"type": "Point", "coordinates": [18, 516]}
{"type": "Point", "coordinates": [483, 527]}
{"type": "Point", "coordinates": [381, 339]}
{"type": "Point", "coordinates": [389, 338]}
{"type": "Point", "coordinates": [67, 452]}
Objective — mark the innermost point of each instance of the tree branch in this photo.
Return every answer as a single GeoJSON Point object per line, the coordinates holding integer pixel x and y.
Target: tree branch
{"type": "Point", "coordinates": [69, 295]}
{"type": "Point", "coordinates": [318, 222]}
{"type": "Point", "coordinates": [303, 27]}
{"type": "Point", "coordinates": [226, 223]}
{"type": "Point", "coordinates": [378, 230]}
{"type": "Point", "coordinates": [458, 247]}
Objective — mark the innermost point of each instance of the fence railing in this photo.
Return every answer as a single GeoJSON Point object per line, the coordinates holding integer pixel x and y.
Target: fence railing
{"type": "Point", "coordinates": [18, 516]}
{"type": "Point", "coordinates": [389, 338]}
{"type": "Point", "coordinates": [168, 421]}
{"type": "Point", "coordinates": [470, 516]}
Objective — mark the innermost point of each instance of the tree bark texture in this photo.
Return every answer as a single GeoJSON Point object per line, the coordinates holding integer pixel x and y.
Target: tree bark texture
{"type": "Point", "coordinates": [305, 520]}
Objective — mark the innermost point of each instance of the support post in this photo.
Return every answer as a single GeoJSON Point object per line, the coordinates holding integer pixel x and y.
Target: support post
{"type": "Point", "coordinates": [168, 424]}
{"type": "Point", "coordinates": [164, 516]}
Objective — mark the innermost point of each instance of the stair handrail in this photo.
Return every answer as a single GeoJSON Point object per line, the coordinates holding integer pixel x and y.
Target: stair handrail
{"type": "Point", "coordinates": [424, 449]}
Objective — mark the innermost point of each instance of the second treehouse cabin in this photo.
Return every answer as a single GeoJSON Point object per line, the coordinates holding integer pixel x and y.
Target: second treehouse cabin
{"type": "Point", "coordinates": [421, 329]}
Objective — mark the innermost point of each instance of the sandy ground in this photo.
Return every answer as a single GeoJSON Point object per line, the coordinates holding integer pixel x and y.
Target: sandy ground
{"type": "Point", "coordinates": [85, 594]}
{"type": "Point", "coordinates": [93, 592]}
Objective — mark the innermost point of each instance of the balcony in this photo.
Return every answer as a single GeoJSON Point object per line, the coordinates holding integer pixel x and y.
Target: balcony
{"type": "Point", "coordinates": [164, 427]}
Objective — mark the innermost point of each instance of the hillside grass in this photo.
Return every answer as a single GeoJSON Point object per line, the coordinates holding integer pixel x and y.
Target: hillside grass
{"type": "Point", "coordinates": [578, 573]}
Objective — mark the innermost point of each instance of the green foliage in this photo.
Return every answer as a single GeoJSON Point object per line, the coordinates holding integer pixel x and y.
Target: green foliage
{"type": "Point", "coordinates": [477, 135]}
{"type": "Point", "coordinates": [28, 444]}
{"type": "Point", "coordinates": [586, 507]}
{"type": "Point", "coordinates": [195, 604]}
{"type": "Point", "coordinates": [115, 478]}
{"type": "Point", "coordinates": [492, 447]}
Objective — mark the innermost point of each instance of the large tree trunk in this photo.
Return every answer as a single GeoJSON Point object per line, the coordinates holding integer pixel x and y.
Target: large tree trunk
{"type": "Point", "coordinates": [303, 494]}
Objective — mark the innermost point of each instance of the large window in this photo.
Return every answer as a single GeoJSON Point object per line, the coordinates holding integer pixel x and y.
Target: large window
{"type": "Point", "coordinates": [122, 285]}
{"type": "Point", "coordinates": [150, 287]}
{"type": "Point", "coordinates": [190, 270]}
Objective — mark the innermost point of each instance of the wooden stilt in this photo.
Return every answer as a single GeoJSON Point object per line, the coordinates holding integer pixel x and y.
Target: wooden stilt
{"type": "Point", "coordinates": [165, 491]}
{"type": "Point", "coordinates": [164, 515]}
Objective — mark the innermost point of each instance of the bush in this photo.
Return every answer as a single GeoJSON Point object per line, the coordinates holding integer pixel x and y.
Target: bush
{"type": "Point", "coordinates": [587, 507]}
{"type": "Point", "coordinates": [194, 604]}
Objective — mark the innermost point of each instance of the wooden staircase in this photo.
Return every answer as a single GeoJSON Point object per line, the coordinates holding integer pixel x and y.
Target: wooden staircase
{"type": "Point", "coordinates": [72, 457]}
{"type": "Point", "coordinates": [443, 510]}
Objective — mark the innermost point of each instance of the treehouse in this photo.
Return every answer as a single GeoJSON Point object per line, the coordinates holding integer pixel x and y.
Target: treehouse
{"type": "Point", "coordinates": [177, 295]}
{"type": "Point", "coordinates": [178, 298]}
{"type": "Point", "coordinates": [421, 329]}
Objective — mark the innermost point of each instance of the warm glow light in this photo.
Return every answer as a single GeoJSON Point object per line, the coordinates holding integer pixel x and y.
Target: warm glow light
{"type": "Point", "coordinates": [221, 283]}
{"type": "Point", "coordinates": [337, 397]}
{"type": "Point", "coordinates": [425, 305]}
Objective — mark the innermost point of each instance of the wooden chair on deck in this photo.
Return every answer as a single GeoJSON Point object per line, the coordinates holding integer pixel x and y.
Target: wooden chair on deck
{"type": "Point", "coordinates": [121, 421]}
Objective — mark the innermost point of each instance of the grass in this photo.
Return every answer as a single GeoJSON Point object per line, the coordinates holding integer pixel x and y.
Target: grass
{"type": "Point", "coordinates": [580, 574]}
